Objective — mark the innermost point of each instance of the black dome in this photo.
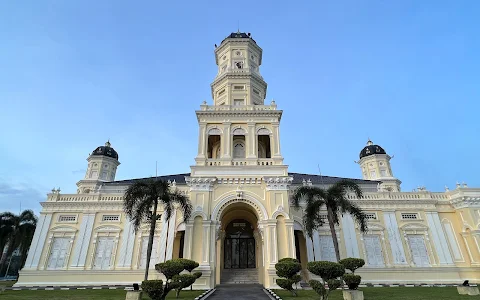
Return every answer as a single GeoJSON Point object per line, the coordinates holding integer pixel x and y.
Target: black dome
{"type": "Point", "coordinates": [239, 35]}
{"type": "Point", "coordinates": [371, 149]}
{"type": "Point", "coordinates": [106, 151]}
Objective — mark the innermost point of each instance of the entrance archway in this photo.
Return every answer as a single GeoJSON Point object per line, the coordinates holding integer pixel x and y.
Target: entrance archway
{"type": "Point", "coordinates": [239, 244]}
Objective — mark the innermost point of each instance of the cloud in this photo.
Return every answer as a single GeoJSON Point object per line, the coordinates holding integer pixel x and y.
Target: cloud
{"type": "Point", "coordinates": [14, 196]}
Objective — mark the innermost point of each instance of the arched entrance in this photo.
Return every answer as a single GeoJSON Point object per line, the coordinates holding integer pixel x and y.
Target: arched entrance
{"type": "Point", "coordinates": [239, 244]}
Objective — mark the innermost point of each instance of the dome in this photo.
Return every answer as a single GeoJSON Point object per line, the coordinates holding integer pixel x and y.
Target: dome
{"type": "Point", "coordinates": [106, 150]}
{"type": "Point", "coordinates": [239, 35]}
{"type": "Point", "coordinates": [371, 149]}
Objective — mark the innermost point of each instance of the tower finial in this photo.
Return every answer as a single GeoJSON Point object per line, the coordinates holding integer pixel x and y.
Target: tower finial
{"type": "Point", "coordinates": [369, 142]}
{"type": "Point", "coordinates": [238, 26]}
{"type": "Point", "coordinates": [107, 144]}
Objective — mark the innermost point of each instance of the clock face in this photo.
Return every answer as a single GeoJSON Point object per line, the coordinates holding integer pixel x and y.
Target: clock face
{"type": "Point", "coordinates": [238, 53]}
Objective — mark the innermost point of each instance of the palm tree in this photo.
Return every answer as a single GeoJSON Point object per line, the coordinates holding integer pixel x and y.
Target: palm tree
{"type": "Point", "coordinates": [335, 200]}
{"type": "Point", "coordinates": [16, 232]}
{"type": "Point", "coordinates": [141, 201]}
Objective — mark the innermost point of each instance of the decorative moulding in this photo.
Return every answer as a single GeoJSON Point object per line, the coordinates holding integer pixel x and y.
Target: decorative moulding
{"type": "Point", "coordinates": [200, 183]}
{"type": "Point", "coordinates": [278, 183]}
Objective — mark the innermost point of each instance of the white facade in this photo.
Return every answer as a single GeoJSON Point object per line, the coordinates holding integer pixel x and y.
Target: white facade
{"type": "Point", "coordinates": [240, 189]}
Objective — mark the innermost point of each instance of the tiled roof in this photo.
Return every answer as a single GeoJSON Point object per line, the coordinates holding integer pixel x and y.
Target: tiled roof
{"type": "Point", "coordinates": [297, 179]}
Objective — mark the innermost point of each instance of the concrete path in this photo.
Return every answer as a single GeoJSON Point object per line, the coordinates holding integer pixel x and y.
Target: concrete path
{"type": "Point", "coordinates": [239, 292]}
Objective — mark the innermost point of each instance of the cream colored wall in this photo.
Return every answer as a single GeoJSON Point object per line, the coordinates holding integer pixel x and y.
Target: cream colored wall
{"type": "Point", "coordinates": [197, 239]}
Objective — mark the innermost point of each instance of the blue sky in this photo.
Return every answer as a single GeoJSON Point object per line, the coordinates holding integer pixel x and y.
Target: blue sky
{"type": "Point", "coordinates": [75, 73]}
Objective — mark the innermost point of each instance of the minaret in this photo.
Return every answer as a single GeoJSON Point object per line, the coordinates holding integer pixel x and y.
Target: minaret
{"type": "Point", "coordinates": [238, 81]}
{"type": "Point", "coordinates": [238, 130]}
{"type": "Point", "coordinates": [375, 165]}
{"type": "Point", "coordinates": [102, 167]}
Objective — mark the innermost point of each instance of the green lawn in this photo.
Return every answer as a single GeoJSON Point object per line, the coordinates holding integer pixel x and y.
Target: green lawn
{"type": "Point", "coordinates": [86, 295]}
{"type": "Point", "coordinates": [390, 293]}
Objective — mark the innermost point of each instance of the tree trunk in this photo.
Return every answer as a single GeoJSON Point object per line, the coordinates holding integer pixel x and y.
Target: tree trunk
{"type": "Point", "coordinates": [334, 233]}
{"type": "Point", "coordinates": [153, 222]}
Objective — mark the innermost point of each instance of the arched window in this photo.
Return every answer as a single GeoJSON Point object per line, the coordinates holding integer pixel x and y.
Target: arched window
{"type": "Point", "coordinates": [238, 150]}
{"type": "Point", "coordinates": [213, 143]}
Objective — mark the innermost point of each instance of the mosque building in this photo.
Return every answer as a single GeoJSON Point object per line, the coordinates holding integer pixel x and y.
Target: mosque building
{"type": "Point", "coordinates": [242, 221]}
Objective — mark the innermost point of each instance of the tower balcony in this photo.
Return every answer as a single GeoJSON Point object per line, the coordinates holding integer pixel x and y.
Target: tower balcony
{"type": "Point", "coordinates": [270, 107]}
{"type": "Point", "coordinates": [215, 162]}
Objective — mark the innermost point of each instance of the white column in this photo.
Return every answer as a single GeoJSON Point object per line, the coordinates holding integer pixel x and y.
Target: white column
{"type": "Point", "coordinates": [163, 240]}
{"type": "Point", "coordinates": [275, 143]}
{"type": "Point", "coordinates": [201, 140]}
{"type": "Point", "coordinates": [439, 239]}
{"type": "Point", "coordinates": [206, 243]}
{"type": "Point", "coordinates": [187, 247]}
{"type": "Point", "coordinates": [309, 248]}
{"type": "Point", "coordinates": [38, 241]}
{"type": "Point", "coordinates": [226, 140]}
{"type": "Point", "coordinates": [171, 235]}
{"type": "Point", "coordinates": [457, 254]}
{"type": "Point", "coordinates": [128, 242]}
{"type": "Point", "coordinates": [83, 240]}
{"type": "Point", "coordinates": [290, 238]}
{"type": "Point", "coordinates": [350, 236]}
{"type": "Point", "coordinates": [398, 252]}
{"type": "Point", "coordinates": [251, 141]}
{"type": "Point", "coordinates": [316, 246]}
{"type": "Point", "coordinates": [271, 237]}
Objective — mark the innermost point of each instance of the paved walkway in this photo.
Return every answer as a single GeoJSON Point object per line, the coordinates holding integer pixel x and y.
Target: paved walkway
{"type": "Point", "coordinates": [239, 292]}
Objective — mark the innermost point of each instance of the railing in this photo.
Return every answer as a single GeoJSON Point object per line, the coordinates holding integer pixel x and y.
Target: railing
{"type": "Point", "coordinates": [239, 162]}
{"type": "Point", "coordinates": [214, 162]}
{"type": "Point", "coordinates": [84, 198]}
{"type": "Point", "coordinates": [265, 162]}
{"type": "Point", "coordinates": [237, 107]}
{"type": "Point", "coordinates": [401, 196]}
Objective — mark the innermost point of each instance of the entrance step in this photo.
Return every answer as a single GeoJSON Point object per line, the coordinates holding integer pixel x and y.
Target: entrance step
{"type": "Point", "coordinates": [239, 276]}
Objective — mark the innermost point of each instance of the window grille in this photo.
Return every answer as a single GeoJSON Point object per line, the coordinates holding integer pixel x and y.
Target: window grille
{"type": "Point", "coordinates": [110, 218]}
{"type": "Point", "coordinates": [67, 218]}
{"type": "Point", "coordinates": [409, 216]}
{"type": "Point", "coordinates": [371, 216]}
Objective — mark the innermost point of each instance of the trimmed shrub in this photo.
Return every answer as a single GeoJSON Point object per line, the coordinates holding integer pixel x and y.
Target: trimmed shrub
{"type": "Point", "coordinates": [169, 268]}
{"type": "Point", "coordinates": [182, 281]}
{"type": "Point", "coordinates": [153, 288]}
{"type": "Point", "coordinates": [352, 263]}
{"type": "Point", "coordinates": [352, 281]}
{"type": "Point", "coordinates": [172, 269]}
{"type": "Point", "coordinates": [287, 269]}
{"type": "Point", "coordinates": [329, 272]}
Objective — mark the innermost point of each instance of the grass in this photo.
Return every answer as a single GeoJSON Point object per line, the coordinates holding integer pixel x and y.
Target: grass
{"type": "Point", "coordinates": [390, 293]}
{"type": "Point", "coordinates": [86, 295]}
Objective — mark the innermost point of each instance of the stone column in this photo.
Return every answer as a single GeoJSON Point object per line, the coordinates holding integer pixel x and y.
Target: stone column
{"type": "Point", "coordinates": [439, 239]}
{"type": "Point", "coordinates": [206, 243]}
{"type": "Point", "coordinates": [309, 247]}
{"type": "Point", "coordinates": [275, 143]}
{"type": "Point", "coordinates": [271, 242]}
{"type": "Point", "coordinates": [227, 141]}
{"type": "Point", "coordinates": [38, 242]}
{"type": "Point", "coordinates": [171, 235]}
{"type": "Point", "coordinates": [290, 238]}
{"type": "Point", "coordinates": [202, 140]}
{"type": "Point", "coordinates": [79, 258]}
{"type": "Point", "coordinates": [396, 245]}
{"type": "Point", "coordinates": [188, 240]}
{"type": "Point", "coordinates": [251, 143]}
{"type": "Point", "coordinates": [163, 240]}
{"type": "Point", "coordinates": [350, 236]}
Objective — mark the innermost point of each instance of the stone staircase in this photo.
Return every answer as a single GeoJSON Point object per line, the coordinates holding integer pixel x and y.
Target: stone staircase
{"type": "Point", "coordinates": [239, 276]}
